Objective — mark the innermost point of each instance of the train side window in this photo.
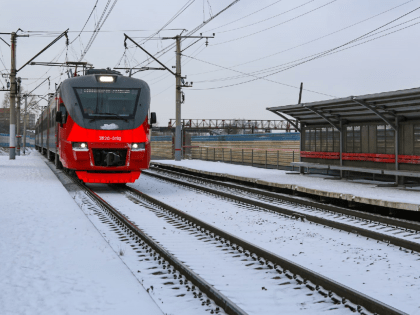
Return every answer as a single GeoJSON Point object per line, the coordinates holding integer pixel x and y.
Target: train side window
{"type": "Point", "coordinates": [63, 111]}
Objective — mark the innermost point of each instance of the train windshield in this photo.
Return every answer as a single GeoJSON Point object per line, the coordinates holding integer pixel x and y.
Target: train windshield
{"type": "Point", "coordinates": [107, 103]}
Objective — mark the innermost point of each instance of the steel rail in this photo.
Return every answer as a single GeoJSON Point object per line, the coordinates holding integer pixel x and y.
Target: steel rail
{"type": "Point", "coordinates": [228, 306]}
{"type": "Point", "coordinates": [404, 224]}
{"type": "Point", "coordinates": [312, 218]}
{"type": "Point", "coordinates": [320, 282]}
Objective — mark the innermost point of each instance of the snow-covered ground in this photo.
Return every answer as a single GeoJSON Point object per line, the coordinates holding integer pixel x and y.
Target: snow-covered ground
{"type": "Point", "coordinates": [254, 288]}
{"type": "Point", "coordinates": [53, 260]}
{"type": "Point", "coordinates": [363, 190]}
{"type": "Point", "coordinates": [4, 151]}
{"type": "Point", "coordinates": [383, 272]}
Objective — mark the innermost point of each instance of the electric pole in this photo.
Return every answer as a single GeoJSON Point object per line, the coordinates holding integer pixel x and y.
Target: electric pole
{"type": "Point", "coordinates": [25, 118]}
{"type": "Point", "coordinates": [13, 86]}
{"type": "Point", "coordinates": [178, 138]}
{"type": "Point", "coordinates": [18, 135]}
{"type": "Point", "coordinates": [179, 83]}
{"type": "Point", "coordinates": [300, 92]}
{"type": "Point", "coordinates": [12, 130]}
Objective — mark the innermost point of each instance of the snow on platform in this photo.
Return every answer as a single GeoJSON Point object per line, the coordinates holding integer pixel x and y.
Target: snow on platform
{"type": "Point", "coordinates": [367, 193]}
{"type": "Point", "coordinates": [52, 259]}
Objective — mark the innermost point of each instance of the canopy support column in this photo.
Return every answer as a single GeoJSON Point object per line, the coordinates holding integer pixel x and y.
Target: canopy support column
{"type": "Point", "coordinates": [288, 120]}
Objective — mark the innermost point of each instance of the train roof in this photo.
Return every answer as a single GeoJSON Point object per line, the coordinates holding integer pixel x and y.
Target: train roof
{"type": "Point", "coordinates": [102, 71]}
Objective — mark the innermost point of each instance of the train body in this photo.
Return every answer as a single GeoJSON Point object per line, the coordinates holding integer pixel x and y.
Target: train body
{"type": "Point", "coordinates": [98, 127]}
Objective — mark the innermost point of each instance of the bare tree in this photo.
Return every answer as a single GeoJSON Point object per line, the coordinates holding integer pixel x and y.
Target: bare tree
{"type": "Point", "coordinates": [6, 100]}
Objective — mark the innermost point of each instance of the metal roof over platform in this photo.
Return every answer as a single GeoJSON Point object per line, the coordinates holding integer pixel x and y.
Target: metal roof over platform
{"type": "Point", "coordinates": [388, 107]}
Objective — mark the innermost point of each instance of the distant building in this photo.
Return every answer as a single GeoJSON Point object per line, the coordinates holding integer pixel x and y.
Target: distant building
{"type": "Point", "coordinates": [5, 120]}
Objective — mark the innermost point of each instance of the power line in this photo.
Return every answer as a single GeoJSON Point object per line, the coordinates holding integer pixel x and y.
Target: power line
{"type": "Point", "coordinates": [272, 17]}
{"type": "Point", "coordinates": [167, 48]}
{"type": "Point", "coordinates": [86, 22]}
{"type": "Point", "coordinates": [184, 7]}
{"type": "Point", "coordinates": [98, 27]}
{"type": "Point", "coordinates": [323, 54]}
{"type": "Point", "coordinates": [245, 16]}
{"type": "Point", "coordinates": [311, 41]}
{"type": "Point", "coordinates": [271, 69]}
{"type": "Point", "coordinates": [160, 78]}
{"type": "Point", "coordinates": [269, 28]}
{"type": "Point", "coordinates": [256, 78]}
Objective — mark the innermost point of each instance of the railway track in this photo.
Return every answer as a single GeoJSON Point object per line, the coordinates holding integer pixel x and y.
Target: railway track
{"type": "Point", "coordinates": [298, 277]}
{"type": "Point", "coordinates": [161, 264]}
{"type": "Point", "coordinates": [402, 233]}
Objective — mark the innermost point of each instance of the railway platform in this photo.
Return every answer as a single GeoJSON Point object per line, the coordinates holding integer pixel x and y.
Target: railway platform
{"type": "Point", "coordinates": [53, 260]}
{"type": "Point", "coordinates": [322, 186]}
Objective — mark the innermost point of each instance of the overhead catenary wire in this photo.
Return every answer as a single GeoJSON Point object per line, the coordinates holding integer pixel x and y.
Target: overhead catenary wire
{"type": "Point", "coordinates": [96, 3]}
{"type": "Point", "coordinates": [270, 69]}
{"type": "Point", "coordinates": [202, 48]}
{"type": "Point", "coordinates": [271, 27]}
{"type": "Point", "coordinates": [98, 27]}
{"type": "Point", "coordinates": [308, 42]}
{"type": "Point", "coordinates": [325, 53]}
{"type": "Point", "coordinates": [256, 78]}
{"type": "Point", "coordinates": [245, 16]}
{"type": "Point", "coordinates": [169, 47]}
{"type": "Point", "coordinates": [267, 19]}
{"type": "Point", "coordinates": [180, 11]}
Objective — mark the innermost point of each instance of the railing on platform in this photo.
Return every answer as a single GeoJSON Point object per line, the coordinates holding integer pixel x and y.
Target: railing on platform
{"type": "Point", "coordinates": [233, 124]}
{"type": "Point", "coordinates": [268, 158]}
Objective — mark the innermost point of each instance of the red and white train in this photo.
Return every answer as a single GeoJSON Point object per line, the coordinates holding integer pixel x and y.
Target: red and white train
{"type": "Point", "coordinates": [97, 126]}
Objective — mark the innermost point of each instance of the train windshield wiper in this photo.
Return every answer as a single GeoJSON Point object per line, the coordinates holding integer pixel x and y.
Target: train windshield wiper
{"type": "Point", "coordinates": [96, 116]}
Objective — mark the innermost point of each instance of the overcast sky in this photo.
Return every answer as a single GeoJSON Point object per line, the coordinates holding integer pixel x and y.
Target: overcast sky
{"type": "Point", "coordinates": [286, 31]}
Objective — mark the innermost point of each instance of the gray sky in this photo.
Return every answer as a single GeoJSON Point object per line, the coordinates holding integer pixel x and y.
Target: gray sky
{"type": "Point", "coordinates": [386, 64]}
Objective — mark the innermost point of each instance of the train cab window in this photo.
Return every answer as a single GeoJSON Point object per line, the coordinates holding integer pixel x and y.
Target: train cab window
{"type": "Point", "coordinates": [416, 139]}
{"type": "Point", "coordinates": [108, 103]}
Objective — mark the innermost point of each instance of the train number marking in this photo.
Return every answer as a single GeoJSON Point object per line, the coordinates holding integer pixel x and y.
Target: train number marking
{"type": "Point", "coordinates": [114, 138]}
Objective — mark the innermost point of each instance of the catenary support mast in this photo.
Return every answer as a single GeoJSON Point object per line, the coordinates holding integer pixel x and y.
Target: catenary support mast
{"type": "Point", "coordinates": [13, 88]}
{"type": "Point", "coordinates": [178, 141]}
{"type": "Point", "coordinates": [19, 99]}
{"type": "Point", "coordinates": [25, 118]}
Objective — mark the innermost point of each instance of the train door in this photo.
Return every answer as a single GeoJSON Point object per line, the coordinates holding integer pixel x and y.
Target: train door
{"type": "Point", "coordinates": [48, 124]}
{"type": "Point", "coordinates": [62, 147]}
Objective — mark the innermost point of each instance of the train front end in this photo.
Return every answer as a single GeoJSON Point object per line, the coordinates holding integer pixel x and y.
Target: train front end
{"type": "Point", "coordinates": [103, 127]}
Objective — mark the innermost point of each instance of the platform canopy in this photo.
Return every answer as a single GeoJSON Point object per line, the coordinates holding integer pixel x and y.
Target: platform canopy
{"type": "Point", "coordinates": [387, 107]}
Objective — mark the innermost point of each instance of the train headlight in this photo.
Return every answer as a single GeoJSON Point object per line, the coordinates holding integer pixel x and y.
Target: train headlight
{"type": "Point", "coordinates": [80, 146]}
{"type": "Point", "coordinates": [106, 78]}
{"type": "Point", "coordinates": [138, 146]}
